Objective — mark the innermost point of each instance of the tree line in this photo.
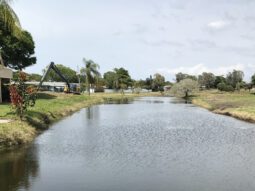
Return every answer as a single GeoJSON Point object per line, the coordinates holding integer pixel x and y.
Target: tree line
{"type": "Point", "coordinates": [232, 81]}
{"type": "Point", "coordinates": [89, 76]}
{"type": "Point", "coordinates": [120, 79]}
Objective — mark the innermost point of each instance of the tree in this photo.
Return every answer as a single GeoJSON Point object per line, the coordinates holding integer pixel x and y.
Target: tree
{"type": "Point", "coordinates": [90, 72]}
{"type": "Point", "coordinates": [16, 45]}
{"type": "Point", "coordinates": [219, 79]}
{"type": "Point", "coordinates": [253, 79]}
{"type": "Point", "coordinates": [30, 77]}
{"type": "Point", "coordinates": [181, 76]}
{"type": "Point", "coordinates": [67, 72]}
{"type": "Point", "coordinates": [158, 82]}
{"type": "Point", "coordinates": [184, 88]}
{"type": "Point", "coordinates": [148, 83]}
{"type": "Point", "coordinates": [17, 52]}
{"type": "Point", "coordinates": [8, 17]}
{"type": "Point", "coordinates": [122, 78]}
{"type": "Point", "coordinates": [109, 78]}
{"type": "Point", "coordinates": [248, 86]}
{"type": "Point", "coordinates": [34, 77]}
{"type": "Point", "coordinates": [234, 77]}
{"type": "Point", "coordinates": [206, 79]}
{"type": "Point", "coordinates": [225, 87]}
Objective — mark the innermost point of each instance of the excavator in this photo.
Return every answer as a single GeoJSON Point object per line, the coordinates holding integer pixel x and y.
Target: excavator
{"type": "Point", "coordinates": [67, 89]}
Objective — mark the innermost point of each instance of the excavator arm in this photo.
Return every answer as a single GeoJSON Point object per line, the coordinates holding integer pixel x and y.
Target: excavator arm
{"type": "Point", "coordinates": [56, 70]}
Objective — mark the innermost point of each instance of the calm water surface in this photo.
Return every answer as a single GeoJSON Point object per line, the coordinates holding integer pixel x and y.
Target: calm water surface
{"type": "Point", "coordinates": [151, 144]}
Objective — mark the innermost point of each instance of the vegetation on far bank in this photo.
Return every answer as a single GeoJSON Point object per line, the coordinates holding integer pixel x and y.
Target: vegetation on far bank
{"type": "Point", "coordinates": [239, 104]}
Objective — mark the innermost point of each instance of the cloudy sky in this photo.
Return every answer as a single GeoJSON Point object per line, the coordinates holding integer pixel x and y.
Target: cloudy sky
{"type": "Point", "coordinates": [143, 36]}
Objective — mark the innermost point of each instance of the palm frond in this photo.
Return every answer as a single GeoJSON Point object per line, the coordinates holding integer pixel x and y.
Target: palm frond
{"type": "Point", "coordinates": [8, 17]}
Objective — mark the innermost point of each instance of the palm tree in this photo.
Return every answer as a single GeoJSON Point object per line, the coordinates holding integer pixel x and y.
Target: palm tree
{"type": "Point", "coordinates": [8, 17]}
{"type": "Point", "coordinates": [9, 20]}
{"type": "Point", "coordinates": [91, 72]}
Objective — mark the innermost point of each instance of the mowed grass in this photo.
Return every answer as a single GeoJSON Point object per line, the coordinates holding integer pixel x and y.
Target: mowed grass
{"type": "Point", "coordinates": [237, 104]}
{"type": "Point", "coordinates": [49, 108]}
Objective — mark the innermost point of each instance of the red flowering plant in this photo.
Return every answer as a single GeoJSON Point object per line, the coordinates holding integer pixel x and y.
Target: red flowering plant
{"type": "Point", "coordinates": [22, 96]}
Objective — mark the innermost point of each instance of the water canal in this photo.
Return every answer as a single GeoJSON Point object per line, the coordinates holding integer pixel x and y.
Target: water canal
{"type": "Point", "coordinates": [150, 144]}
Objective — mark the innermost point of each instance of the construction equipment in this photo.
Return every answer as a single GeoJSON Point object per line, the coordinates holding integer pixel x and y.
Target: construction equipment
{"type": "Point", "coordinates": [67, 88]}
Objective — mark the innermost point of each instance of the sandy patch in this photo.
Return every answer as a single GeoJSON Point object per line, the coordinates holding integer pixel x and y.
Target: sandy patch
{"type": "Point", "coordinates": [5, 121]}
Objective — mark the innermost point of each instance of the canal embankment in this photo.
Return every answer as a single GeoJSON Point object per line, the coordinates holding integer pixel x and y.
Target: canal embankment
{"type": "Point", "coordinates": [240, 105]}
{"type": "Point", "coordinates": [49, 108]}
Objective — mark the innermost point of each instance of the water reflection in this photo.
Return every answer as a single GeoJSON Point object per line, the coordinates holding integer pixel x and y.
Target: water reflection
{"type": "Point", "coordinates": [149, 145]}
{"type": "Point", "coordinates": [89, 113]}
{"type": "Point", "coordinates": [18, 168]}
{"type": "Point", "coordinates": [123, 100]}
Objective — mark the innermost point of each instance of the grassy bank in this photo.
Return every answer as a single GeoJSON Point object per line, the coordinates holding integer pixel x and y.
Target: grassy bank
{"type": "Point", "coordinates": [240, 105]}
{"type": "Point", "coordinates": [49, 108]}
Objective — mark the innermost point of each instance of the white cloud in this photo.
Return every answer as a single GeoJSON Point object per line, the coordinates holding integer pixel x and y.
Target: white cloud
{"type": "Point", "coordinates": [216, 25]}
{"type": "Point", "coordinates": [200, 68]}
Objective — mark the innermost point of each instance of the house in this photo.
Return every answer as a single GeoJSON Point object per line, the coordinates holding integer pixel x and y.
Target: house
{"type": "Point", "coordinates": [53, 86]}
{"type": "Point", "coordinates": [5, 75]}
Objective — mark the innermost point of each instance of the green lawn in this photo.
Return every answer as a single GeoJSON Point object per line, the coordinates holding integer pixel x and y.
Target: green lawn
{"type": "Point", "coordinates": [238, 104]}
{"type": "Point", "coordinates": [49, 108]}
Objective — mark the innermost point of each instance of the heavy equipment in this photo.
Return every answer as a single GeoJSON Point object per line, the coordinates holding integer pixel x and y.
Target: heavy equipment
{"type": "Point", "coordinates": [68, 88]}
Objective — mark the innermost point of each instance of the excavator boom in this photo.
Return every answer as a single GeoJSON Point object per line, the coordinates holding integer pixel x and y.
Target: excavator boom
{"type": "Point", "coordinates": [56, 70]}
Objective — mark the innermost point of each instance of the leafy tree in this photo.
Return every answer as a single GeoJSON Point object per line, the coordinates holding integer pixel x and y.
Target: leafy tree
{"type": "Point", "coordinates": [34, 77]}
{"type": "Point", "coordinates": [234, 77]}
{"type": "Point", "coordinates": [122, 78]}
{"type": "Point", "coordinates": [181, 76]}
{"type": "Point", "coordinates": [158, 82]}
{"type": "Point", "coordinates": [140, 84]}
{"type": "Point", "coordinates": [219, 79]}
{"type": "Point", "coordinates": [248, 86]}
{"type": "Point", "coordinates": [67, 72]}
{"type": "Point", "coordinates": [253, 79]}
{"type": "Point", "coordinates": [225, 87]}
{"type": "Point", "coordinates": [29, 77]}
{"type": "Point", "coordinates": [16, 45]}
{"type": "Point", "coordinates": [206, 79]}
{"type": "Point", "coordinates": [109, 78]}
{"type": "Point", "coordinates": [90, 72]}
{"type": "Point", "coordinates": [148, 83]}
{"type": "Point", "coordinates": [184, 88]}
{"type": "Point", "coordinates": [17, 52]}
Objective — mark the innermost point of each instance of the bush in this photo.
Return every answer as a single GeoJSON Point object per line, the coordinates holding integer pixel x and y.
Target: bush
{"type": "Point", "coordinates": [225, 87]}
{"type": "Point", "coordinates": [22, 96]}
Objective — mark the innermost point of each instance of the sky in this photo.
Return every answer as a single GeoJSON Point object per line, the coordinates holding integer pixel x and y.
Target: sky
{"type": "Point", "coordinates": [143, 36]}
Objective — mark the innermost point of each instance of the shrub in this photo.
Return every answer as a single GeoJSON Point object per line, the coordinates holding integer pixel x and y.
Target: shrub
{"type": "Point", "coordinates": [225, 87]}
{"type": "Point", "coordinates": [22, 96]}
